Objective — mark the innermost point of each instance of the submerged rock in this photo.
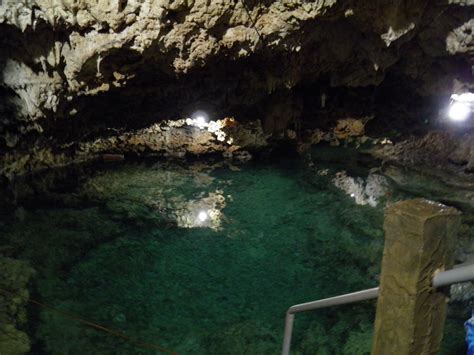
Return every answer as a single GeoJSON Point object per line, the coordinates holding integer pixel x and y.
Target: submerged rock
{"type": "Point", "coordinates": [13, 341]}
{"type": "Point", "coordinates": [447, 155]}
{"type": "Point", "coordinates": [442, 187]}
{"type": "Point", "coordinates": [14, 295]}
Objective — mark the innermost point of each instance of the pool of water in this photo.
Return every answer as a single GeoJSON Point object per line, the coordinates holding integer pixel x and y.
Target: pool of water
{"type": "Point", "coordinates": [196, 258]}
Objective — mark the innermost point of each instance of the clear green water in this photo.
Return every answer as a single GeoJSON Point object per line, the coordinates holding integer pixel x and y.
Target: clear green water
{"type": "Point", "coordinates": [126, 249]}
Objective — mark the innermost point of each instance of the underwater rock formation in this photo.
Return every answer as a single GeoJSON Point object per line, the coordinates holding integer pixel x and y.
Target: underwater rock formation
{"type": "Point", "coordinates": [14, 280]}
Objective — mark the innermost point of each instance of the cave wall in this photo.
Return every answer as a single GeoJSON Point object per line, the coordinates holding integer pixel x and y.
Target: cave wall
{"type": "Point", "coordinates": [77, 70]}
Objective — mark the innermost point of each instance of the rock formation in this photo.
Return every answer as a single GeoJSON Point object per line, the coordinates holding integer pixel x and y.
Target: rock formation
{"type": "Point", "coordinates": [14, 295]}
{"type": "Point", "coordinates": [83, 80]}
{"type": "Point", "coordinates": [77, 71]}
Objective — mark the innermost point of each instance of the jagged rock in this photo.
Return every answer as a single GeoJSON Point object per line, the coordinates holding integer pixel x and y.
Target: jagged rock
{"type": "Point", "coordinates": [184, 137]}
{"type": "Point", "coordinates": [74, 70]}
{"type": "Point", "coordinates": [169, 138]}
{"type": "Point", "coordinates": [349, 127]}
{"type": "Point", "coordinates": [437, 152]}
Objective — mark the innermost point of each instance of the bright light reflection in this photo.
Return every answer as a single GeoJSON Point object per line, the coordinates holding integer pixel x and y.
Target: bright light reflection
{"type": "Point", "coordinates": [459, 111]}
{"type": "Point", "coordinates": [202, 216]}
{"type": "Point", "coordinates": [200, 120]}
{"type": "Point", "coordinates": [461, 106]}
{"type": "Point", "coordinates": [464, 97]}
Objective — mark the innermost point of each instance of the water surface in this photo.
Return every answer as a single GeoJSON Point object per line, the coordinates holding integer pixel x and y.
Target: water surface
{"type": "Point", "coordinates": [198, 258]}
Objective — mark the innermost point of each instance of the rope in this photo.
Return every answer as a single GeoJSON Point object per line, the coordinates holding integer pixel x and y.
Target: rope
{"type": "Point", "coordinates": [96, 326]}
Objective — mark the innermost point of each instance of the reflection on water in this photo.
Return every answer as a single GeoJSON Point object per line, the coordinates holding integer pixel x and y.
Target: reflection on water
{"type": "Point", "coordinates": [369, 191]}
{"type": "Point", "coordinates": [202, 212]}
{"type": "Point", "coordinates": [198, 258]}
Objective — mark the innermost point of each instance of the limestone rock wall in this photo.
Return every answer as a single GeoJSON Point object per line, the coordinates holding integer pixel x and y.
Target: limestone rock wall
{"type": "Point", "coordinates": [77, 70]}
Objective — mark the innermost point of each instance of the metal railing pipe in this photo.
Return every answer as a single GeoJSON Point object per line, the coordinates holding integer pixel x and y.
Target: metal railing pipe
{"type": "Point", "coordinates": [336, 301]}
{"type": "Point", "coordinates": [327, 302]}
{"type": "Point", "coordinates": [460, 273]}
{"type": "Point", "coordinates": [289, 320]}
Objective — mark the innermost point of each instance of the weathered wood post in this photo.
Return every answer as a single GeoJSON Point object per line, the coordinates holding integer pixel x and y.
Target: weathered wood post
{"type": "Point", "coordinates": [419, 240]}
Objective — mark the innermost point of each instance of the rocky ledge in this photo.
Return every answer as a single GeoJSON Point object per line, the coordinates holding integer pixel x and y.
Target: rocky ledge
{"type": "Point", "coordinates": [78, 71]}
{"type": "Point", "coordinates": [448, 155]}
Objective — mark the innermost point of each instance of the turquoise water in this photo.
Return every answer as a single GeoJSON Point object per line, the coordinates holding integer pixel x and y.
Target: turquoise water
{"type": "Point", "coordinates": [198, 259]}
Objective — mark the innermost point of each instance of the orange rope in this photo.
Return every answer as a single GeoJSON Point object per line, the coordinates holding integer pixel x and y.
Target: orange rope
{"type": "Point", "coordinates": [97, 326]}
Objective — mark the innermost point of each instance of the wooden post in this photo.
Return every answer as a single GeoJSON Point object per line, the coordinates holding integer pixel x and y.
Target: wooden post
{"type": "Point", "coordinates": [419, 240]}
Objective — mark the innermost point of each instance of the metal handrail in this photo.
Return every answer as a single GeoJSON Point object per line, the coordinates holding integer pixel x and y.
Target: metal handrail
{"type": "Point", "coordinates": [460, 273]}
